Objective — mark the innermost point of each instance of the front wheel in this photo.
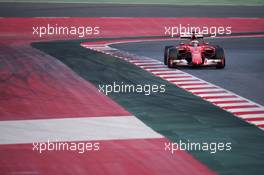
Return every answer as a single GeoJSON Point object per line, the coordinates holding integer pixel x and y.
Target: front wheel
{"type": "Point", "coordinates": [166, 54]}
{"type": "Point", "coordinates": [220, 54]}
{"type": "Point", "coordinates": [173, 55]}
{"type": "Point", "coordinates": [222, 64]}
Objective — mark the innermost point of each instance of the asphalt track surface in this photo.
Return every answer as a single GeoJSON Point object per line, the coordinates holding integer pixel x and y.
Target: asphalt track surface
{"type": "Point", "coordinates": [243, 73]}
{"type": "Point", "coordinates": [108, 10]}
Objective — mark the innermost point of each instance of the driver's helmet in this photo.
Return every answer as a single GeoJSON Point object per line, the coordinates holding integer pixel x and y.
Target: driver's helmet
{"type": "Point", "coordinates": [194, 43]}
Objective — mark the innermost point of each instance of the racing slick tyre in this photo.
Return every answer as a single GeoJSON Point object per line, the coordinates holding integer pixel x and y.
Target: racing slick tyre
{"type": "Point", "coordinates": [220, 54]}
{"type": "Point", "coordinates": [173, 55]}
{"type": "Point", "coordinates": [166, 54]}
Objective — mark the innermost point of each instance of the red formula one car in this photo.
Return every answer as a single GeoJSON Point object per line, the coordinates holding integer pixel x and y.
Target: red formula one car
{"type": "Point", "coordinates": [195, 53]}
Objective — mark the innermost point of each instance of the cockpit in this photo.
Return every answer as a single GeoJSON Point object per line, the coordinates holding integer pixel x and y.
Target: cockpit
{"type": "Point", "coordinates": [194, 43]}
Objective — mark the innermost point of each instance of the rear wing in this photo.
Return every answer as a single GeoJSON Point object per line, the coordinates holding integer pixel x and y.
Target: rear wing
{"type": "Point", "coordinates": [191, 36]}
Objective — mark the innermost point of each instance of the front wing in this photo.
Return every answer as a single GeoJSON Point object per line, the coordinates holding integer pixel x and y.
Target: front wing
{"type": "Point", "coordinates": [207, 62]}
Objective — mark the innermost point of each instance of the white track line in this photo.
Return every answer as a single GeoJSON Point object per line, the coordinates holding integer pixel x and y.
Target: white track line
{"type": "Point", "coordinates": [148, 63]}
{"type": "Point", "coordinates": [245, 109]}
{"type": "Point", "coordinates": [223, 99]}
{"type": "Point", "coordinates": [235, 104]}
{"type": "Point", "coordinates": [158, 69]}
{"type": "Point", "coordinates": [143, 61]}
{"type": "Point", "coordinates": [198, 86]}
{"type": "Point", "coordinates": [248, 116]}
{"type": "Point", "coordinates": [258, 122]}
{"type": "Point", "coordinates": [153, 66]}
{"type": "Point", "coordinates": [205, 90]}
{"type": "Point", "coordinates": [188, 82]}
{"type": "Point", "coordinates": [74, 129]}
{"type": "Point", "coordinates": [173, 75]}
{"type": "Point", "coordinates": [166, 72]}
{"type": "Point", "coordinates": [214, 95]}
{"type": "Point", "coordinates": [187, 78]}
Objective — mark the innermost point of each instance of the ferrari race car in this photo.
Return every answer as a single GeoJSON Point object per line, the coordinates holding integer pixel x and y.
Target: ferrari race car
{"type": "Point", "coordinates": [195, 53]}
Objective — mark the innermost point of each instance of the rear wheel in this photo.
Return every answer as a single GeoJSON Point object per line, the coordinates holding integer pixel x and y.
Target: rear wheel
{"type": "Point", "coordinates": [220, 54]}
{"type": "Point", "coordinates": [166, 54]}
{"type": "Point", "coordinates": [173, 55]}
